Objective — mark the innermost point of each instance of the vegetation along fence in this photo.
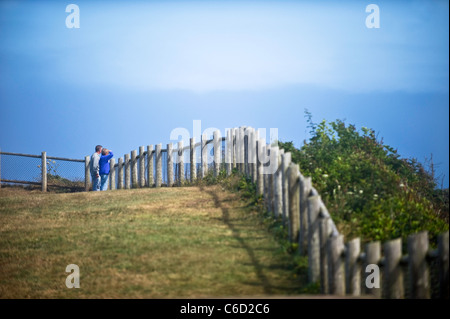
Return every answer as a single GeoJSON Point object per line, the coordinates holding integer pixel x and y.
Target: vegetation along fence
{"type": "Point", "coordinates": [339, 268]}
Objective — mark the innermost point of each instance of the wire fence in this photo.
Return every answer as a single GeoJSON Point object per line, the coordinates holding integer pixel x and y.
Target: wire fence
{"type": "Point", "coordinates": [62, 174]}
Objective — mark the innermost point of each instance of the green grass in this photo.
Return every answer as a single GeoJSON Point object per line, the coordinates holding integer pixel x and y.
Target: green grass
{"type": "Point", "coordinates": [188, 242]}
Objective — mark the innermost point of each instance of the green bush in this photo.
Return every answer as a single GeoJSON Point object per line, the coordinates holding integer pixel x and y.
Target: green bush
{"type": "Point", "coordinates": [368, 188]}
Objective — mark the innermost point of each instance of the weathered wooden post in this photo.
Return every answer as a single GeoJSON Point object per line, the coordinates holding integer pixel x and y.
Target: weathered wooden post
{"type": "Point", "coordinates": [443, 265]}
{"type": "Point", "coordinates": [294, 202]}
{"type": "Point", "coordinates": [180, 161]}
{"type": "Point", "coordinates": [285, 161]}
{"type": "Point", "coordinates": [217, 153]}
{"type": "Point", "coordinates": [419, 279]}
{"type": "Point", "coordinates": [141, 167]}
{"type": "Point", "coordinates": [120, 173]}
{"type": "Point", "coordinates": [241, 145]}
{"type": "Point", "coordinates": [169, 165]}
{"type": "Point", "coordinates": [353, 268]}
{"type": "Point", "coordinates": [305, 190]}
{"type": "Point", "coordinates": [313, 239]}
{"type": "Point", "coordinates": [127, 171]}
{"type": "Point", "coordinates": [204, 157]}
{"type": "Point", "coordinates": [260, 167]}
{"type": "Point", "coordinates": [193, 160]}
{"type": "Point", "coordinates": [134, 169]}
{"type": "Point", "coordinates": [253, 165]}
{"type": "Point", "coordinates": [87, 173]}
{"type": "Point", "coordinates": [229, 152]}
{"type": "Point", "coordinates": [393, 275]}
{"type": "Point", "coordinates": [237, 147]}
{"type": "Point", "coordinates": [158, 165]}
{"type": "Point", "coordinates": [150, 157]}
{"type": "Point", "coordinates": [44, 171]}
{"type": "Point", "coordinates": [373, 256]}
{"type": "Point", "coordinates": [112, 174]}
{"type": "Point", "coordinates": [336, 266]}
{"type": "Point", "coordinates": [233, 148]}
{"type": "Point", "coordinates": [270, 185]}
{"type": "Point", "coordinates": [324, 234]}
{"type": "Point", "coordinates": [245, 140]}
{"type": "Point", "coordinates": [277, 185]}
{"type": "Point", "coordinates": [266, 190]}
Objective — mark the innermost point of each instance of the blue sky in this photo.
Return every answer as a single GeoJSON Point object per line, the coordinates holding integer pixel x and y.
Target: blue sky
{"type": "Point", "coordinates": [135, 70]}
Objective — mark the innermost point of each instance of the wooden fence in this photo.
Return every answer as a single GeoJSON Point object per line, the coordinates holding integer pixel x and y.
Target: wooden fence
{"type": "Point", "coordinates": [339, 268]}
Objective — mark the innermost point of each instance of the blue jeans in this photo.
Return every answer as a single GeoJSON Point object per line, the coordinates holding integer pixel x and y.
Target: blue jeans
{"type": "Point", "coordinates": [104, 178]}
{"type": "Point", "coordinates": [95, 183]}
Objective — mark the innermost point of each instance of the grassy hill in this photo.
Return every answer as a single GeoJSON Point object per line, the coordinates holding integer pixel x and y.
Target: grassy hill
{"type": "Point", "coordinates": [143, 243]}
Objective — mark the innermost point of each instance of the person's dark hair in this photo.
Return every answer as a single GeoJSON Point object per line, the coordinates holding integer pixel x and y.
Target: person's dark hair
{"type": "Point", "coordinates": [98, 148]}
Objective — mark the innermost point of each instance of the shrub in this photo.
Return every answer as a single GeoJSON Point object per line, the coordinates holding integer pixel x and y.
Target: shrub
{"type": "Point", "coordinates": [368, 188]}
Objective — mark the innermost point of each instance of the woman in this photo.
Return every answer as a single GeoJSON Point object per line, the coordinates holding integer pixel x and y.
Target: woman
{"type": "Point", "coordinates": [104, 168]}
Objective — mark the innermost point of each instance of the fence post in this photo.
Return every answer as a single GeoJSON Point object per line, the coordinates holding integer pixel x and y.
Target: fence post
{"type": "Point", "coordinates": [313, 239]}
{"type": "Point", "coordinates": [180, 160]}
{"type": "Point", "coordinates": [141, 167]}
{"type": "Point", "coordinates": [120, 173]}
{"type": "Point", "coordinates": [353, 268]}
{"type": "Point", "coordinates": [373, 256]}
{"type": "Point", "coordinates": [241, 151]}
{"type": "Point", "coordinates": [285, 161]}
{"type": "Point", "coordinates": [305, 190]}
{"type": "Point", "coordinates": [266, 192]}
{"type": "Point", "coordinates": [217, 153]}
{"type": "Point", "coordinates": [228, 160]}
{"type": "Point", "coordinates": [44, 171]}
{"type": "Point", "coordinates": [443, 265]}
{"type": "Point", "coordinates": [253, 159]}
{"type": "Point", "coordinates": [169, 165]}
{"type": "Point", "coordinates": [323, 236]}
{"type": "Point", "coordinates": [150, 156]}
{"type": "Point", "coordinates": [0, 168]}
{"type": "Point", "coordinates": [112, 174]}
{"type": "Point", "coordinates": [134, 173]}
{"type": "Point", "coordinates": [204, 157]}
{"type": "Point", "coordinates": [336, 266]}
{"type": "Point", "coordinates": [193, 165]}
{"type": "Point", "coordinates": [277, 185]}
{"type": "Point", "coordinates": [270, 190]}
{"type": "Point", "coordinates": [127, 171]}
{"type": "Point", "coordinates": [294, 202]}
{"type": "Point", "coordinates": [87, 173]}
{"type": "Point", "coordinates": [245, 140]}
{"type": "Point", "coordinates": [158, 165]}
{"type": "Point", "coordinates": [260, 167]}
{"type": "Point", "coordinates": [393, 275]}
{"type": "Point", "coordinates": [233, 147]}
{"type": "Point", "coordinates": [418, 268]}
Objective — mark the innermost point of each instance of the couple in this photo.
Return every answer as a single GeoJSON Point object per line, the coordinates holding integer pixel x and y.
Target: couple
{"type": "Point", "coordinates": [100, 168]}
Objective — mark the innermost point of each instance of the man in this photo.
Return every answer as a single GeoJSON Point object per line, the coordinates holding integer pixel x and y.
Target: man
{"type": "Point", "coordinates": [95, 168]}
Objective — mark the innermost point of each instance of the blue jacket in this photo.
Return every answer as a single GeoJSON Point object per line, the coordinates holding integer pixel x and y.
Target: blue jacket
{"type": "Point", "coordinates": [104, 163]}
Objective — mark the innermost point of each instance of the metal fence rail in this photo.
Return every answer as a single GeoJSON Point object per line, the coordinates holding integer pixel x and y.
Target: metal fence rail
{"type": "Point", "coordinates": [49, 172]}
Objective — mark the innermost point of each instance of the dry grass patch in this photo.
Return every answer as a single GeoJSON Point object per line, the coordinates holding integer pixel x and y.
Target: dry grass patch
{"type": "Point", "coordinates": [143, 243]}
